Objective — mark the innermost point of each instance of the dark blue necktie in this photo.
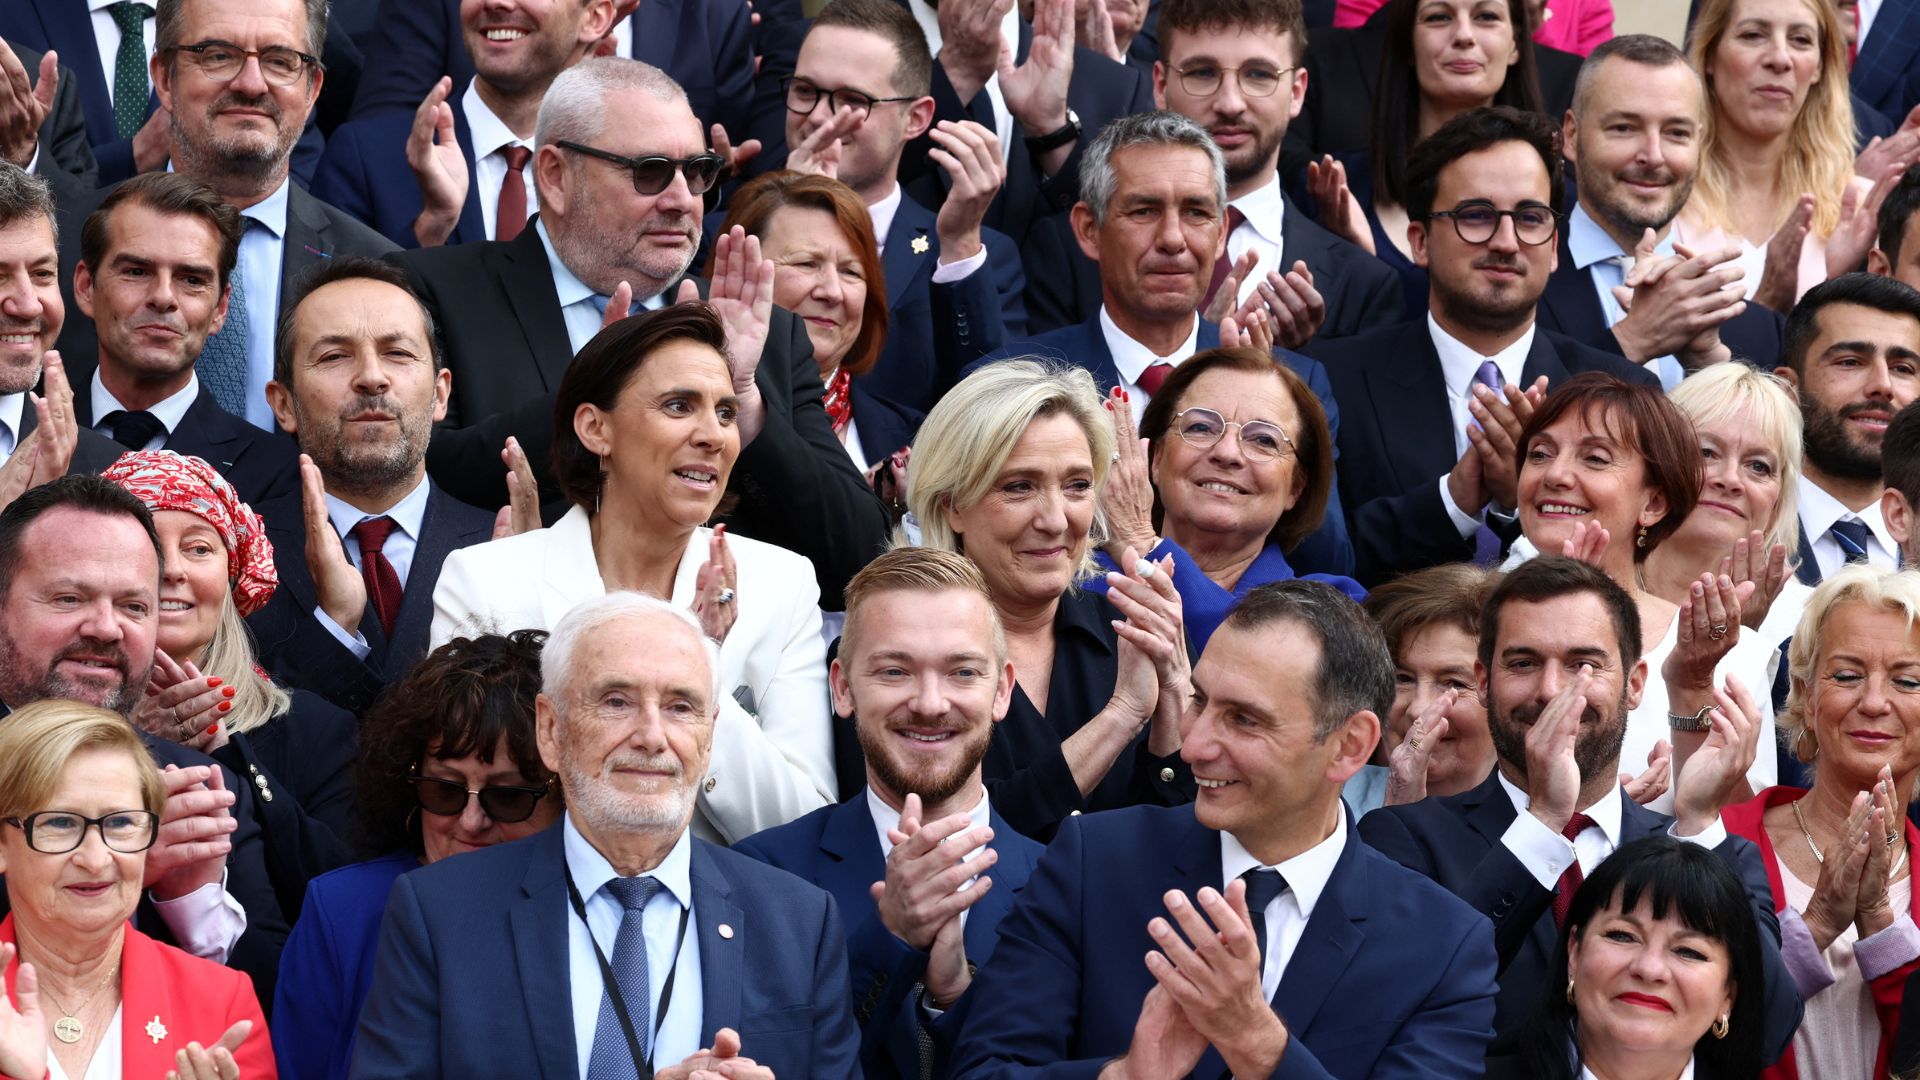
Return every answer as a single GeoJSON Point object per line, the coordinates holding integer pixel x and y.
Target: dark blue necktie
{"type": "Point", "coordinates": [1263, 887]}
{"type": "Point", "coordinates": [1852, 536]}
{"type": "Point", "coordinates": [612, 1059]}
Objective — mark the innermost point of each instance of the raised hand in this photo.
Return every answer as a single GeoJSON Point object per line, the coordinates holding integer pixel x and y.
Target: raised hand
{"type": "Point", "coordinates": [741, 294]}
{"type": "Point", "coordinates": [1873, 911]}
{"type": "Point", "coordinates": [439, 166]}
{"type": "Point", "coordinates": [1155, 625]}
{"type": "Point", "coordinates": [715, 603]}
{"type": "Point", "coordinates": [180, 703]}
{"type": "Point", "coordinates": [1339, 210]}
{"type": "Point", "coordinates": [61, 422]}
{"type": "Point", "coordinates": [1553, 775]}
{"type": "Point", "coordinates": [1225, 303]}
{"type": "Point", "coordinates": [819, 152]}
{"type": "Point", "coordinates": [970, 43]}
{"type": "Point", "coordinates": [338, 586]}
{"type": "Point", "coordinates": [522, 512]}
{"type": "Point", "coordinates": [929, 878]}
{"type": "Point", "coordinates": [195, 832]}
{"type": "Point", "coordinates": [1708, 629]}
{"type": "Point", "coordinates": [736, 157]}
{"type": "Point", "coordinates": [1407, 764]}
{"type": "Point", "coordinates": [215, 1062]}
{"type": "Point", "coordinates": [1654, 781]}
{"type": "Point", "coordinates": [153, 143]}
{"type": "Point", "coordinates": [24, 105]}
{"type": "Point", "coordinates": [1094, 30]}
{"type": "Point", "coordinates": [1780, 274]}
{"type": "Point", "coordinates": [1495, 436]}
{"type": "Point", "coordinates": [1715, 774]}
{"type": "Point", "coordinates": [1036, 91]}
{"type": "Point", "coordinates": [1676, 305]}
{"type": "Point", "coordinates": [1165, 1046]}
{"type": "Point", "coordinates": [1213, 975]}
{"type": "Point", "coordinates": [1127, 499]}
{"type": "Point", "coordinates": [1836, 893]}
{"type": "Point", "coordinates": [1753, 562]}
{"type": "Point", "coordinates": [23, 1031]}
{"type": "Point", "coordinates": [1297, 307]}
{"type": "Point", "coordinates": [970, 154]}
{"type": "Point", "coordinates": [1251, 330]}
{"type": "Point", "coordinates": [1588, 543]}
{"type": "Point", "coordinates": [1853, 236]}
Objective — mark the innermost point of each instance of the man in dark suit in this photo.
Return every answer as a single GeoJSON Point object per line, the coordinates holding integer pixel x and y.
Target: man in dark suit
{"type": "Point", "coordinates": [56, 147]}
{"type": "Point", "coordinates": [1886, 73]}
{"type": "Point", "coordinates": [1243, 83]}
{"type": "Point", "coordinates": [917, 617]}
{"type": "Point", "coordinates": [1897, 251]}
{"type": "Point", "coordinates": [1635, 93]}
{"type": "Point", "coordinates": [360, 543]}
{"type": "Point", "coordinates": [1559, 668]}
{"type": "Point", "coordinates": [514, 314]}
{"type": "Point", "coordinates": [1419, 394]}
{"type": "Point", "coordinates": [590, 923]}
{"type": "Point", "coordinates": [475, 182]}
{"type": "Point", "coordinates": [155, 263]}
{"type": "Point", "coordinates": [1317, 937]}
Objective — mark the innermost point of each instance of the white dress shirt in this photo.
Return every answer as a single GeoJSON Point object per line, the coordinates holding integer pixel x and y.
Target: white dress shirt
{"type": "Point", "coordinates": [13, 409]}
{"type": "Point", "coordinates": [1685, 1074]}
{"type": "Point", "coordinates": [886, 818]}
{"type": "Point", "coordinates": [679, 1031]}
{"type": "Point", "coordinates": [888, 208]}
{"type": "Point", "coordinates": [408, 515]}
{"type": "Point", "coordinates": [491, 139]}
{"type": "Point", "coordinates": [1131, 358]}
{"type": "Point", "coordinates": [1818, 512]}
{"type": "Point", "coordinates": [169, 410]}
{"type": "Point", "coordinates": [1458, 363]}
{"type": "Point", "coordinates": [1306, 875]}
{"type": "Point", "coordinates": [581, 307]}
{"type": "Point", "coordinates": [1547, 854]}
{"type": "Point", "coordinates": [1867, 11]}
{"type": "Point", "coordinates": [106, 39]}
{"type": "Point", "coordinates": [1265, 211]}
{"type": "Point", "coordinates": [1003, 122]}
{"type": "Point", "coordinates": [1594, 251]}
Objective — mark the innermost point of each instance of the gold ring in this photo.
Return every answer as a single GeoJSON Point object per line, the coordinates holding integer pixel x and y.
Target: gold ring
{"type": "Point", "coordinates": [1717, 631]}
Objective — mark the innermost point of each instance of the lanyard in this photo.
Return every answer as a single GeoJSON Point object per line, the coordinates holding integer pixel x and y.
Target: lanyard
{"type": "Point", "coordinates": [641, 1063]}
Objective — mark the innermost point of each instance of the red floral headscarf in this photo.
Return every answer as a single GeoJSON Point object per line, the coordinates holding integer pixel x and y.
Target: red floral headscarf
{"type": "Point", "coordinates": [165, 480]}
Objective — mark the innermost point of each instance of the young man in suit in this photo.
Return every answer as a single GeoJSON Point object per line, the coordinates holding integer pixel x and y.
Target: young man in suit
{"type": "Point", "coordinates": [552, 957]}
{"type": "Point", "coordinates": [923, 671]}
{"type": "Point", "coordinates": [156, 261]}
{"type": "Point", "coordinates": [1560, 668]}
{"type": "Point", "coordinates": [1897, 252]}
{"type": "Point", "coordinates": [1275, 940]}
{"type": "Point", "coordinates": [1484, 195]}
{"type": "Point", "coordinates": [359, 381]}
{"type": "Point", "coordinates": [460, 167]}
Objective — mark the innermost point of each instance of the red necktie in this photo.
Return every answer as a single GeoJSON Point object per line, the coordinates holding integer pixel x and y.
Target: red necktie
{"type": "Point", "coordinates": [383, 585]}
{"type": "Point", "coordinates": [512, 215]}
{"type": "Point", "coordinates": [1151, 378]}
{"type": "Point", "coordinates": [1571, 878]}
{"type": "Point", "coordinates": [1224, 264]}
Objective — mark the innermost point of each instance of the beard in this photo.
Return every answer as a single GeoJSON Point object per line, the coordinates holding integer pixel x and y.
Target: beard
{"type": "Point", "coordinates": [1630, 217]}
{"type": "Point", "coordinates": [599, 803]}
{"type": "Point", "coordinates": [1496, 312]}
{"type": "Point", "coordinates": [237, 155]}
{"type": "Point", "coordinates": [1596, 750]}
{"type": "Point", "coordinates": [933, 782]}
{"type": "Point", "coordinates": [18, 686]}
{"type": "Point", "coordinates": [1831, 448]}
{"type": "Point", "coordinates": [586, 247]}
{"type": "Point", "coordinates": [1253, 158]}
{"type": "Point", "coordinates": [366, 466]}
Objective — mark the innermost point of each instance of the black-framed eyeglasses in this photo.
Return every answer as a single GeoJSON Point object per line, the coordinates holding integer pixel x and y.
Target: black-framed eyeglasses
{"type": "Point", "coordinates": [1476, 220]}
{"type": "Point", "coordinates": [1255, 80]}
{"type": "Point", "coordinates": [504, 803]}
{"type": "Point", "coordinates": [803, 97]}
{"type": "Point", "coordinates": [56, 832]}
{"type": "Point", "coordinates": [1260, 439]}
{"type": "Point", "coordinates": [221, 61]}
{"type": "Point", "coordinates": [652, 173]}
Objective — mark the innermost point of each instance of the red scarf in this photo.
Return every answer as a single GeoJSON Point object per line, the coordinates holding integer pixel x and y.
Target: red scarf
{"type": "Point", "coordinates": [839, 403]}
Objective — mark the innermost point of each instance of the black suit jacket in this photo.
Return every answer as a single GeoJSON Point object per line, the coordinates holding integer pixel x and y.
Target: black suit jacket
{"type": "Point", "coordinates": [302, 653]}
{"type": "Point", "coordinates": [1455, 840]}
{"type": "Point", "coordinates": [64, 159]}
{"type": "Point", "coordinates": [91, 454]}
{"type": "Point", "coordinates": [261, 465]}
{"type": "Point", "coordinates": [507, 346]}
{"type": "Point", "coordinates": [1396, 438]}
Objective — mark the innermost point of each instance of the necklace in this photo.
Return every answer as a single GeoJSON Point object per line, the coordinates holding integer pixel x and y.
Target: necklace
{"type": "Point", "coordinates": [68, 1029]}
{"type": "Point", "coordinates": [1892, 871]}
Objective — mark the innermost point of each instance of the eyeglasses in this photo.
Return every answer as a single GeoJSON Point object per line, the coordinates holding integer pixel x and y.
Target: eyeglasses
{"type": "Point", "coordinates": [652, 173]}
{"type": "Point", "coordinates": [1476, 221]}
{"type": "Point", "coordinates": [1259, 439]}
{"type": "Point", "coordinates": [504, 803]}
{"type": "Point", "coordinates": [803, 97]}
{"type": "Point", "coordinates": [1255, 80]}
{"type": "Point", "coordinates": [56, 832]}
{"type": "Point", "coordinates": [221, 61]}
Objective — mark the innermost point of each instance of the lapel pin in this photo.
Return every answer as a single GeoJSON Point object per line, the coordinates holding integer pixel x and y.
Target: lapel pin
{"type": "Point", "coordinates": [726, 931]}
{"type": "Point", "coordinates": [920, 245]}
{"type": "Point", "coordinates": [156, 1030]}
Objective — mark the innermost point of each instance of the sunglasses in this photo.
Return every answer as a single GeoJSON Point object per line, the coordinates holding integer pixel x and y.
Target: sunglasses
{"type": "Point", "coordinates": [504, 803]}
{"type": "Point", "coordinates": [653, 172]}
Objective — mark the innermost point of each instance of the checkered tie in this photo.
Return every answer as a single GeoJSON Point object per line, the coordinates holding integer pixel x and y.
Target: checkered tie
{"type": "Point", "coordinates": [612, 1059]}
{"type": "Point", "coordinates": [222, 366]}
{"type": "Point", "coordinates": [130, 89]}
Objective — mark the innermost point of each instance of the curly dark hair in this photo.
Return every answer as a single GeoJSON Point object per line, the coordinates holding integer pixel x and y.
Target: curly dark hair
{"type": "Point", "coordinates": [465, 696]}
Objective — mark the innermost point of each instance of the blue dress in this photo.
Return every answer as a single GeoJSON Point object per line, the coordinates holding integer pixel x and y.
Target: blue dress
{"type": "Point", "coordinates": [327, 967]}
{"type": "Point", "coordinates": [1205, 603]}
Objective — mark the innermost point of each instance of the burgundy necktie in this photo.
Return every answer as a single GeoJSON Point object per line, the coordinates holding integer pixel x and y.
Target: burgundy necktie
{"type": "Point", "coordinates": [512, 215]}
{"type": "Point", "coordinates": [1571, 878]}
{"type": "Point", "coordinates": [1151, 378]}
{"type": "Point", "coordinates": [1224, 264]}
{"type": "Point", "coordinates": [383, 585]}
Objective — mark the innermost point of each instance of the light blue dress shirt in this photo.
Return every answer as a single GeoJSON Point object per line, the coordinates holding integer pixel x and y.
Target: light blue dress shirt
{"type": "Point", "coordinates": [262, 246]}
{"type": "Point", "coordinates": [1594, 251]}
{"type": "Point", "coordinates": [580, 306]}
{"type": "Point", "coordinates": [409, 516]}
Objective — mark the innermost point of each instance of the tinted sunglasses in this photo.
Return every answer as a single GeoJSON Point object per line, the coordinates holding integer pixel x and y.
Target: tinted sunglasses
{"type": "Point", "coordinates": [504, 803]}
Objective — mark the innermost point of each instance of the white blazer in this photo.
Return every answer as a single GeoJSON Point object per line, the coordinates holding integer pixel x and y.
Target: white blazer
{"type": "Point", "coordinates": [765, 770]}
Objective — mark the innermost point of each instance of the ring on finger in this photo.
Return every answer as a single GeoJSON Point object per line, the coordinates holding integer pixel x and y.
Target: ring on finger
{"type": "Point", "coordinates": [725, 596]}
{"type": "Point", "coordinates": [1717, 631]}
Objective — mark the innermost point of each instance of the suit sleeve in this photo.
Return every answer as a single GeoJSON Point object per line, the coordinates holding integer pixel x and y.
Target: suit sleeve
{"type": "Point", "coordinates": [65, 158]}
{"type": "Point", "coordinates": [399, 1032]}
{"type": "Point", "coordinates": [411, 41]}
{"type": "Point", "coordinates": [1784, 1009]}
{"type": "Point", "coordinates": [971, 316]}
{"type": "Point", "coordinates": [312, 1006]}
{"type": "Point", "coordinates": [836, 1042]}
{"type": "Point", "coordinates": [302, 653]}
{"type": "Point", "coordinates": [733, 71]}
{"type": "Point", "coordinates": [454, 612]}
{"type": "Point", "coordinates": [341, 181]}
{"type": "Point", "coordinates": [1499, 886]}
{"type": "Point", "coordinates": [1394, 534]}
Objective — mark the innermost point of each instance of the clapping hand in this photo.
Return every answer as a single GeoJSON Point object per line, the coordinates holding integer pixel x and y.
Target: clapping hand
{"type": "Point", "coordinates": [1588, 543]}
{"type": "Point", "coordinates": [195, 832]}
{"type": "Point", "coordinates": [1154, 623]}
{"type": "Point", "coordinates": [1327, 183]}
{"type": "Point", "coordinates": [1654, 781]}
{"type": "Point", "coordinates": [1708, 627]}
{"type": "Point", "coordinates": [741, 294]}
{"type": "Point", "coordinates": [23, 1031]}
{"type": "Point", "coordinates": [1226, 298]}
{"type": "Point", "coordinates": [1495, 436]}
{"type": "Point", "coordinates": [1780, 274]}
{"type": "Point", "coordinates": [818, 153]}
{"type": "Point", "coordinates": [1553, 773]}
{"type": "Point", "coordinates": [339, 587]}
{"type": "Point", "coordinates": [183, 706]}
{"type": "Point", "coordinates": [1715, 773]}
{"type": "Point", "coordinates": [1253, 330]}
{"type": "Point", "coordinates": [439, 166]}
{"type": "Point", "coordinates": [23, 106]}
{"type": "Point", "coordinates": [721, 1061]}
{"type": "Point", "coordinates": [1844, 871]}
{"type": "Point", "coordinates": [1765, 568]}
{"type": "Point", "coordinates": [930, 881]}
{"type": "Point", "coordinates": [1853, 236]}
{"type": "Point", "coordinates": [1210, 968]}
{"type": "Point", "coordinates": [970, 154]}
{"type": "Point", "coordinates": [48, 449]}
{"type": "Point", "coordinates": [1127, 499]}
{"type": "Point", "coordinates": [1036, 91]}
{"type": "Point", "coordinates": [1094, 30]}
{"type": "Point", "coordinates": [1407, 764]}
{"type": "Point", "coordinates": [213, 1062]}
{"type": "Point", "coordinates": [522, 512]}
{"type": "Point", "coordinates": [736, 157]}
{"type": "Point", "coordinates": [715, 603]}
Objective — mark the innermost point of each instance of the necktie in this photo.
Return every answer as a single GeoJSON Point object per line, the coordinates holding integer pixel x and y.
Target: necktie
{"type": "Point", "coordinates": [1151, 378]}
{"type": "Point", "coordinates": [1852, 536]}
{"type": "Point", "coordinates": [1263, 886]}
{"type": "Point", "coordinates": [1486, 542]}
{"type": "Point", "coordinates": [612, 1059]}
{"type": "Point", "coordinates": [1224, 264]}
{"type": "Point", "coordinates": [134, 430]}
{"type": "Point", "coordinates": [223, 359]}
{"type": "Point", "coordinates": [383, 584]}
{"type": "Point", "coordinates": [130, 89]}
{"type": "Point", "coordinates": [1571, 878]}
{"type": "Point", "coordinates": [512, 214]}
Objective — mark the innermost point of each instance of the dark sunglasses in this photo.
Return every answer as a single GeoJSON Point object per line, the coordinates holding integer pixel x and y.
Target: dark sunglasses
{"type": "Point", "coordinates": [504, 803]}
{"type": "Point", "coordinates": [653, 172]}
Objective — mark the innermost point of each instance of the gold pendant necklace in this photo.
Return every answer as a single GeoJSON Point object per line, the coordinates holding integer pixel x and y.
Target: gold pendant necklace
{"type": "Point", "coordinates": [68, 1029]}
{"type": "Point", "coordinates": [1892, 871]}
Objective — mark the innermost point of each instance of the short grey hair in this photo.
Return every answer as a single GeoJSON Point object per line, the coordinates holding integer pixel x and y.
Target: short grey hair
{"type": "Point", "coordinates": [169, 14]}
{"type": "Point", "coordinates": [556, 658]}
{"type": "Point", "coordinates": [575, 106]}
{"type": "Point", "coordinates": [1157, 128]}
{"type": "Point", "coordinates": [24, 195]}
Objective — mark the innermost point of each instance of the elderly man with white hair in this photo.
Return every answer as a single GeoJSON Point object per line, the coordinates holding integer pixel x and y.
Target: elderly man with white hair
{"type": "Point", "coordinates": [617, 944]}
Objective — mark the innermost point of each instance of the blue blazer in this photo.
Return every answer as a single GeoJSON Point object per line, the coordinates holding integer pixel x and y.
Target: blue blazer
{"type": "Point", "coordinates": [365, 173]}
{"type": "Point", "coordinates": [836, 848]}
{"type": "Point", "coordinates": [471, 973]}
{"type": "Point", "coordinates": [1392, 977]}
{"type": "Point", "coordinates": [1887, 74]}
{"type": "Point", "coordinates": [327, 967]}
{"type": "Point", "coordinates": [1328, 550]}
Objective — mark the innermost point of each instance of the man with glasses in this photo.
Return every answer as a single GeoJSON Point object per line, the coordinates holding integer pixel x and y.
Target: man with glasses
{"type": "Point", "coordinates": [238, 79]}
{"type": "Point", "coordinates": [621, 166]}
{"type": "Point", "coordinates": [1484, 194]}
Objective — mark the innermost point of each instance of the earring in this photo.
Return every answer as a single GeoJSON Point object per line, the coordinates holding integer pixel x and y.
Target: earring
{"type": "Point", "coordinates": [1641, 540]}
{"type": "Point", "coordinates": [1719, 1028]}
{"type": "Point", "coordinates": [1569, 989]}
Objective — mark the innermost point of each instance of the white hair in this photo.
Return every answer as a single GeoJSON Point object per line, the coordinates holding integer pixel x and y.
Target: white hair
{"type": "Point", "coordinates": [556, 657]}
{"type": "Point", "coordinates": [575, 105]}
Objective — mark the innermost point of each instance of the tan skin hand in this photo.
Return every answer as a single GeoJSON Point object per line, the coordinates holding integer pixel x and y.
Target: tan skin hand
{"type": "Point", "coordinates": [1655, 779]}
{"type": "Point", "coordinates": [718, 572]}
{"type": "Point", "coordinates": [1753, 562]}
{"type": "Point", "coordinates": [24, 105]}
{"type": "Point", "coordinates": [195, 832]}
{"type": "Point", "coordinates": [522, 512]}
{"type": "Point", "coordinates": [1553, 775]}
{"type": "Point", "coordinates": [1211, 969]}
{"type": "Point", "coordinates": [23, 1029]}
{"type": "Point", "coordinates": [213, 1062]}
{"type": "Point", "coordinates": [339, 588]}
{"type": "Point", "coordinates": [439, 166]}
{"type": "Point", "coordinates": [1407, 764]}
{"type": "Point", "coordinates": [1780, 274]}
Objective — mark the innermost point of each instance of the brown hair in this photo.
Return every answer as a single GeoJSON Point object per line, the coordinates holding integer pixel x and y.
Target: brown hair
{"type": "Point", "coordinates": [1550, 577]}
{"type": "Point", "coordinates": [166, 193]}
{"type": "Point", "coordinates": [1278, 16]}
{"type": "Point", "coordinates": [913, 64]}
{"type": "Point", "coordinates": [1452, 594]}
{"type": "Point", "coordinates": [920, 569]}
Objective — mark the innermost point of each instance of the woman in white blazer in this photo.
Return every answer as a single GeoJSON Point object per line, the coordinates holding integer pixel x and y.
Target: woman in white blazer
{"type": "Point", "coordinates": [645, 435]}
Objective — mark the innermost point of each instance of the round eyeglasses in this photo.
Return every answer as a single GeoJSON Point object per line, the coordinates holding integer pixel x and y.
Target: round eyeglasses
{"type": "Point", "coordinates": [221, 61]}
{"type": "Point", "coordinates": [1254, 80]}
{"type": "Point", "coordinates": [1262, 440]}
{"type": "Point", "coordinates": [652, 173]}
{"type": "Point", "coordinates": [504, 803]}
{"type": "Point", "coordinates": [56, 832]}
{"type": "Point", "coordinates": [803, 97]}
{"type": "Point", "coordinates": [1477, 220]}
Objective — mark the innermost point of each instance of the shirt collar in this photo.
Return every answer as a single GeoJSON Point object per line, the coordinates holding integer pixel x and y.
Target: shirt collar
{"type": "Point", "coordinates": [102, 5]}
{"type": "Point", "coordinates": [272, 210]}
{"type": "Point", "coordinates": [1588, 243]}
{"type": "Point", "coordinates": [886, 817]}
{"type": "Point", "coordinates": [408, 513]}
{"type": "Point", "coordinates": [1605, 812]}
{"type": "Point", "coordinates": [1131, 357]}
{"type": "Point", "coordinates": [883, 213]}
{"type": "Point", "coordinates": [1819, 510]}
{"type": "Point", "coordinates": [13, 408]}
{"type": "Point", "coordinates": [591, 871]}
{"type": "Point", "coordinates": [1458, 362]}
{"type": "Point", "coordinates": [570, 289]}
{"type": "Point", "coordinates": [169, 411]}
{"type": "Point", "coordinates": [1265, 210]}
{"type": "Point", "coordinates": [490, 133]}
{"type": "Point", "coordinates": [1306, 874]}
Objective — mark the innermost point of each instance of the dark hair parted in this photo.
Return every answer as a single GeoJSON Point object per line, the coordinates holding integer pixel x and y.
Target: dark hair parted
{"type": "Point", "coordinates": [24, 195]}
{"type": "Point", "coordinates": [1875, 291]}
{"type": "Point", "coordinates": [1452, 594]}
{"type": "Point", "coordinates": [1354, 671]}
{"type": "Point", "coordinates": [913, 60]}
{"type": "Point", "coordinates": [1896, 213]}
{"type": "Point", "coordinates": [1900, 454]}
{"type": "Point", "coordinates": [1679, 880]}
{"type": "Point", "coordinates": [1552, 577]}
{"type": "Point", "coordinates": [602, 370]}
{"type": "Point", "coordinates": [164, 193]}
{"type": "Point", "coordinates": [1312, 446]}
{"type": "Point", "coordinates": [331, 272]}
{"type": "Point", "coordinates": [1190, 16]}
{"type": "Point", "coordinates": [466, 696]}
{"type": "Point", "coordinates": [86, 493]}
{"type": "Point", "coordinates": [1396, 98]}
{"type": "Point", "coordinates": [1638, 420]}
{"type": "Point", "coordinates": [1471, 132]}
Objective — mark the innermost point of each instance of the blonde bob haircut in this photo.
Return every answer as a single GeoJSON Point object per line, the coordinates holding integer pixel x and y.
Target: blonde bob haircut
{"type": "Point", "coordinates": [1820, 149]}
{"type": "Point", "coordinates": [970, 433]}
{"type": "Point", "coordinates": [1883, 590]}
{"type": "Point", "coordinates": [1760, 402]}
{"type": "Point", "coordinates": [39, 740]}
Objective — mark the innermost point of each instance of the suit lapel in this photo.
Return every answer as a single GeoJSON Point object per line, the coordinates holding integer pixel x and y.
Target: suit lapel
{"type": "Point", "coordinates": [1196, 859]}
{"type": "Point", "coordinates": [309, 237]}
{"type": "Point", "coordinates": [1328, 943]}
{"type": "Point", "coordinates": [901, 263]}
{"type": "Point", "coordinates": [436, 541]}
{"type": "Point", "coordinates": [1571, 297]}
{"type": "Point", "coordinates": [1544, 359]}
{"type": "Point", "coordinates": [202, 433]}
{"type": "Point", "coordinates": [1010, 874]}
{"type": "Point", "coordinates": [472, 226]}
{"type": "Point", "coordinates": [1409, 394]}
{"type": "Point", "coordinates": [1808, 571]}
{"type": "Point", "coordinates": [527, 281]}
{"type": "Point", "coordinates": [722, 959]}
{"type": "Point", "coordinates": [1094, 355]}
{"type": "Point", "coordinates": [70, 33]}
{"type": "Point", "coordinates": [854, 860]}
{"type": "Point", "coordinates": [540, 931]}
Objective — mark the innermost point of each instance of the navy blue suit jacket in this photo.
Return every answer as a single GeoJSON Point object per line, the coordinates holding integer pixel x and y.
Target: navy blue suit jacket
{"type": "Point", "coordinates": [471, 975]}
{"type": "Point", "coordinates": [1455, 840]}
{"type": "Point", "coordinates": [836, 848]}
{"type": "Point", "coordinates": [1887, 74]}
{"type": "Point", "coordinates": [1328, 550]}
{"type": "Point", "coordinates": [261, 465]}
{"type": "Point", "coordinates": [1391, 977]}
{"type": "Point", "coordinates": [365, 173]}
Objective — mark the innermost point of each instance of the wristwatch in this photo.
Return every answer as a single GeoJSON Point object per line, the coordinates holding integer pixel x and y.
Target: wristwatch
{"type": "Point", "coordinates": [1056, 138]}
{"type": "Point", "coordinates": [1696, 722]}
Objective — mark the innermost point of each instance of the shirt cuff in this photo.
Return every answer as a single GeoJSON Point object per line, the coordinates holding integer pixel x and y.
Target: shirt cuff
{"type": "Point", "coordinates": [34, 162]}
{"type": "Point", "coordinates": [205, 922]}
{"type": "Point", "coordinates": [356, 642]}
{"type": "Point", "coordinates": [928, 1013]}
{"type": "Point", "coordinates": [1545, 853]}
{"type": "Point", "coordinates": [1889, 950]}
{"type": "Point", "coordinates": [947, 273]}
{"type": "Point", "coordinates": [1710, 837]}
{"type": "Point", "coordinates": [1810, 970]}
{"type": "Point", "coordinates": [1466, 523]}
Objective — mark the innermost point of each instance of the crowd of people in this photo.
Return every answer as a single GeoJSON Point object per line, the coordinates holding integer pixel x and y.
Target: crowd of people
{"type": "Point", "coordinates": [958, 539]}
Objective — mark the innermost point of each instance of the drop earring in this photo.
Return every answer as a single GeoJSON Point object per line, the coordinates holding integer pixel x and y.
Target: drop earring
{"type": "Point", "coordinates": [1641, 540]}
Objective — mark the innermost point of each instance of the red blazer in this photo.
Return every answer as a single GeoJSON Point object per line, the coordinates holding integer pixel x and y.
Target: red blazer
{"type": "Point", "coordinates": [1747, 819]}
{"type": "Point", "coordinates": [169, 998]}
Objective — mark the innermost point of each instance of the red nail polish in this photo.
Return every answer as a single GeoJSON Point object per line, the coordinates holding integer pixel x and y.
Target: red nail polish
{"type": "Point", "coordinates": [211, 728]}
{"type": "Point", "coordinates": [224, 706]}
{"type": "Point", "coordinates": [213, 681]}
{"type": "Point", "coordinates": [226, 691]}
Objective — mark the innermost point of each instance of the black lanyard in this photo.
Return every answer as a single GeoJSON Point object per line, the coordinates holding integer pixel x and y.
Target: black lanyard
{"type": "Point", "coordinates": [642, 1063]}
